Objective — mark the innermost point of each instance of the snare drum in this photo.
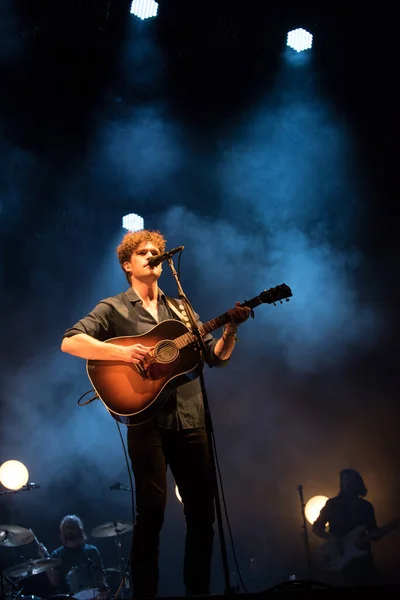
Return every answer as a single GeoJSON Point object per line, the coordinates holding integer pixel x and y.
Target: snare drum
{"type": "Point", "coordinates": [86, 582]}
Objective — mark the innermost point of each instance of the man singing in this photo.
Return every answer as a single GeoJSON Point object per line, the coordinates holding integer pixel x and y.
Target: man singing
{"type": "Point", "coordinates": [176, 436]}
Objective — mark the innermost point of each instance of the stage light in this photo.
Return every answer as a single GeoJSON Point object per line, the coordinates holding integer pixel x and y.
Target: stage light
{"type": "Point", "coordinates": [144, 9]}
{"type": "Point", "coordinates": [132, 222]}
{"type": "Point", "coordinates": [299, 40]}
{"type": "Point", "coordinates": [13, 474]}
{"type": "Point", "coordinates": [177, 494]}
{"type": "Point", "coordinates": [313, 507]}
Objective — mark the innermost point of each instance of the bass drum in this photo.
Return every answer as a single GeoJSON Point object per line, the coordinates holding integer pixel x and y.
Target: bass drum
{"type": "Point", "coordinates": [86, 582]}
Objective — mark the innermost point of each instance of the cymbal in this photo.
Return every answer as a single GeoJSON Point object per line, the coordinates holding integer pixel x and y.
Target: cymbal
{"type": "Point", "coordinates": [111, 529]}
{"type": "Point", "coordinates": [15, 536]}
{"type": "Point", "coordinates": [112, 570]}
{"type": "Point", "coordinates": [32, 567]}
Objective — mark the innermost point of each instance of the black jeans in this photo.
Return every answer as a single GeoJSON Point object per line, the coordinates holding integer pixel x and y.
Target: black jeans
{"type": "Point", "coordinates": [186, 451]}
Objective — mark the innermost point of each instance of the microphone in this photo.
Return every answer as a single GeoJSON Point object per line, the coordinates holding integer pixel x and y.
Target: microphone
{"type": "Point", "coordinates": [154, 261]}
{"type": "Point", "coordinates": [120, 486]}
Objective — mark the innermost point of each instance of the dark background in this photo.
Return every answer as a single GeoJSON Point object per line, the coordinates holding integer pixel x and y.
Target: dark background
{"type": "Point", "coordinates": [269, 167]}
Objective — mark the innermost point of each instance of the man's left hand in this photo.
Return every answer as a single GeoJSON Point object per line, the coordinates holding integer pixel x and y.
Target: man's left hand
{"type": "Point", "coordinates": [237, 315]}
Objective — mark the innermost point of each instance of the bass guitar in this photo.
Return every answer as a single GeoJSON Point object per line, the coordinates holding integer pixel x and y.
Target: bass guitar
{"type": "Point", "coordinates": [134, 392]}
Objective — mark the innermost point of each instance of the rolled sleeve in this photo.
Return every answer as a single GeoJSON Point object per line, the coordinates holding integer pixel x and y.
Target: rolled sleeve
{"type": "Point", "coordinates": [98, 323]}
{"type": "Point", "coordinates": [210, 342]}
{"type": "Point", "coordinates": [211, 358]}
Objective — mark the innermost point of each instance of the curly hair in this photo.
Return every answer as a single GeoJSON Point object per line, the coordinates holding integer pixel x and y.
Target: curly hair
{"type": "Point", "coordinates": [132, 240]}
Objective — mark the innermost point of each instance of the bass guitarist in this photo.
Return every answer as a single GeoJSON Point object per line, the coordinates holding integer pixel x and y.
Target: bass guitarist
{"type": "Point", "coordinates": [352, 527]}
{"type": "Point", "coordinates": [176, 436]}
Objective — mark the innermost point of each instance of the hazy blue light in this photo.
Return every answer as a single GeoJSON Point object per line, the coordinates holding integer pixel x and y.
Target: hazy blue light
{"type": "Point", "coordinates": [132, 222]}
{"type": "Point", "coordinates": [299, 40]}
{"type": "Point", "coordinates": [144, 9]}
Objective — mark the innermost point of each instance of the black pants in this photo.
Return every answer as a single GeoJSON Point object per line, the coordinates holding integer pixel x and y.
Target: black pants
{"type": "Point", "coordinates": [186, 451]}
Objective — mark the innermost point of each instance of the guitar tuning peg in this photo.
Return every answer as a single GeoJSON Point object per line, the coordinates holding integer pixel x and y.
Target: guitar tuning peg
{"type": "Point", "coordinates": [274, 303]}
{"type": "Point", "coordinates": [287, 299]}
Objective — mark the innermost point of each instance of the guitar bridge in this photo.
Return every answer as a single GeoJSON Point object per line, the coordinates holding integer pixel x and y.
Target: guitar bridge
{"type": "Point", "coordinates": [141, 370]}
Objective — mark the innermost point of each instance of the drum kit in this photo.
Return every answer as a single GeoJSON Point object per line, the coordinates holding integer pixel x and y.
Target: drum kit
{"type": "Point", "coordinates": [85, 582]}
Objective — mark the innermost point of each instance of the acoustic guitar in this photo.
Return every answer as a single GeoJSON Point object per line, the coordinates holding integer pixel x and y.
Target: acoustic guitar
{"type": "Point", "coordinates": [133, 393]}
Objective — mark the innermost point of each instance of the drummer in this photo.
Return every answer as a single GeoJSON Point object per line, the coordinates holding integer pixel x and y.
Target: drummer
{"type": "Point", "coordinates": [73, 552]}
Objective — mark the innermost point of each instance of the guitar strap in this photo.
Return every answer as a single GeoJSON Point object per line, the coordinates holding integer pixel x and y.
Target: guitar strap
{"type": "Point", "coordinates": [179, 309]}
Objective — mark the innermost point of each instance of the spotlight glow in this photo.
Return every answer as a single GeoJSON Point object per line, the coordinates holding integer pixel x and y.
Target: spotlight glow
{"type": "Point", "coordinates": [299, 40]}
{"type": "Point", "coordinates": [144, 9]}
{"type": "Point", "coordinates": [132, 222]}
{"type": "Point", "coordinates": [177, 494]}
{"type": "Point", "coordinates": [13, 474]}
{"type": "Point", "coordinates": [313, 507]}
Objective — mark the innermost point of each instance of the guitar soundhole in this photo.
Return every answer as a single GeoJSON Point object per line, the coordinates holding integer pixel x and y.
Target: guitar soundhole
{"type": "Point", "coordinates": [165, 351]}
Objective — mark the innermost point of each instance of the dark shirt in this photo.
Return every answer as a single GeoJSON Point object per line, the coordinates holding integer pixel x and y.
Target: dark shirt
{"type": "Point", "coordinates": [124, 315]}
{"type": "Point", "coordinates": [343, 516]}
{"type": "Point", "coordinates": [75, 557]}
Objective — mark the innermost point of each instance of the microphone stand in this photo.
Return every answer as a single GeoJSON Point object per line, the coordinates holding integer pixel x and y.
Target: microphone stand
{"type": "Point", "coordinates": [25, 488]}
{"type": "Point", "coordinates": [305, 532]}
{"type": "Point", "coordinates": [208, 426]}
{"type": "Point", "coordinates": [121, 562]}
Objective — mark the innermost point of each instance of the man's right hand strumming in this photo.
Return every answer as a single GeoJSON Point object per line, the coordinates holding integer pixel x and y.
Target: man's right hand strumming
{"type": "Point", "coordinates": [137, 353]}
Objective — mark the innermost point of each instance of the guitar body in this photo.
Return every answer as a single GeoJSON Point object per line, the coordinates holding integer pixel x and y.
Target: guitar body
{"type": "Point", "coordinates": [335, 559]}
{"type": "Point", "coordinates": [133, 393]}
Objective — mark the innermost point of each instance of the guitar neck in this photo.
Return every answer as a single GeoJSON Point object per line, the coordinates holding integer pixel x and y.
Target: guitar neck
{"type": "Point", "coordinates": [223, 319]}
{"type": "Point", "coordinates": [213, 324]}
{"type": "Point", "coordinates": [382, 531]}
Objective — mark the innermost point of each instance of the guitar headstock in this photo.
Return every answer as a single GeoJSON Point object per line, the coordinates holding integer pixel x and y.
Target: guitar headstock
{"type": "Point", "coordinates": [276, 294]}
